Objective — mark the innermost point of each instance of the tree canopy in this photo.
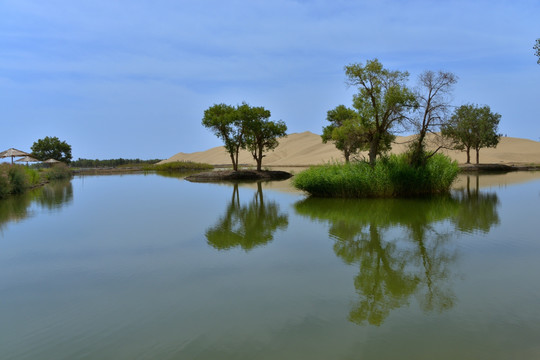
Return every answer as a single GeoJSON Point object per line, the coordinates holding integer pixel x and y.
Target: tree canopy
{"type": "Point", "coordinates": [383, 102]}
{"type": "Point", "coordinates": [432, 95]}
{"type": "Point", "coordinates": [261, 133]}
{"type": "Point", "coordinates": [345, 131]}
{"type": "Point", "coordinates": [51, 148]}
{"type": "Point", "coordinates": [244, 127]}
{"type": "Point", "coordinates": [222, 120]}
{"type": "Point", "coordinates": [473, 127]}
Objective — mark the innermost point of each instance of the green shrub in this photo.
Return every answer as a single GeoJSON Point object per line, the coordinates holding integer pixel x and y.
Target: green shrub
{"type": "Point", "coordinates": [392, 176]}
{"type": "Point", "coordinates": [180, 166]}
{"type": "Point", "coordinates": [5, 187]}
{"type": "Point", "coordinates": [33, 176]}
{"type": "Point", "coordinates": [18, 179]}
{"type": "Point", "coordinates": [58, 172]}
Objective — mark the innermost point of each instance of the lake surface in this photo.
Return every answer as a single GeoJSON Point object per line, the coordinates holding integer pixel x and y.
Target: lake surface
{"type": "Point", "coordinates": [153, 267]}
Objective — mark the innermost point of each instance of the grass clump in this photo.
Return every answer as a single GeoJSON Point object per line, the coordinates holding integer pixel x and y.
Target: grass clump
{"type": "Point", "coordinates": [391, 176]}
{"type": "Point", "coordinates": [180, 166]}
{"type": "Point", "coordinates": [18, 179]}
{"type": "Point", "coordinates": [58, 172]}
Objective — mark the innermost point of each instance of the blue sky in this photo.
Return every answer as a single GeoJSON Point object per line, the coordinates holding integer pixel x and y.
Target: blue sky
{"type": "Point", "coordinates": [132, 78]}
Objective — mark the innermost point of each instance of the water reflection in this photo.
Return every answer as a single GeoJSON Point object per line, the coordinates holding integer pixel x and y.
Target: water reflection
{"type": "Point", "coordinates": [247, 226]}
{"type": "Point", "coordinates": [51, 196]}
{"type": "Point", "coordinates": [402, 246]}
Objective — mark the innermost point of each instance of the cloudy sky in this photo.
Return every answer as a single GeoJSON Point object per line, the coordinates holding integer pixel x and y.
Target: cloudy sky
{"type": "Point", "coordinates": [132, 78]}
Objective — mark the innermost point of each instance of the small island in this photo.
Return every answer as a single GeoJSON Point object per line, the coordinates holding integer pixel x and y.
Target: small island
{"type": "Point", "coordinates": [231, 175]}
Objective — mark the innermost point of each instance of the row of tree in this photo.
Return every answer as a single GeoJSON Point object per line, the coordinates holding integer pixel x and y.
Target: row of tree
{"type": "Point", "coordinates": [244, 127]}
{"type": "Point", "coordinates": [385, 104]}
{"type": "Point", "coordinates": [96, 163]}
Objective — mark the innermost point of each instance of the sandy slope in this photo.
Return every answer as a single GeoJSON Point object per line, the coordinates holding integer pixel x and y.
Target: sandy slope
{"type": "Point", "coordinates": [307, 149]}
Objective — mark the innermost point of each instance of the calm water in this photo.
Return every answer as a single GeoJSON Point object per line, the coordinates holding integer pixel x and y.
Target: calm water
{"type": "Point", "coordinates": [152, 267]}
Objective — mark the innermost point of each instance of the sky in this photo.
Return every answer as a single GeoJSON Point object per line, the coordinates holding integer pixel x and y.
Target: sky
{"type": "Point", "coordinates": [132, 78]}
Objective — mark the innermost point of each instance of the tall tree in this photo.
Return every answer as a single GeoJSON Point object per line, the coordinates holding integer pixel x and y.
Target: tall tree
{"type": "Point", "coordinates": [536, 47]}
{"type": "Point", "coordinates": [345, 131]}
{"type": "Point", "coordinates": [222, 119]}
{"type": "Point", "coordinates": [473, 127]}
{"type": "Point", "coordinates": [432, 94]}
{"type": "Point", "coordinates": [261, 134]}
{"type": "Point", "coordinates": [244, 127]}
{"type": "Point", "coordinates": [51, 148]}
{"type": "Point", "coordinates": [383, 101]}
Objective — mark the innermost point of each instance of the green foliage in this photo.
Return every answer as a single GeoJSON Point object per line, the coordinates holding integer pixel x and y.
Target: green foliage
{"type": "Point", "coordinates": [5, 186]}
{"type": "Point", "coordinates": [382, 102]}
{"type": "Point", "coordinates": [58, 172]}
{"type": "Point", "coordinates": [180, 166]}
{"type": "Point", "coordinates": [261, 134]}
{"type": "Point", "coordinates": [536, 47]}
{"type": "Point", "coordinates": [473, 127]}
{"type": "Point", "coordinates": [17, 179]}
{"type": "Point", "coordinates": [244, 127]}
{"type": "Point", "coordinates": [345, 131]}
{"type": "Point", "coordinates": [51, 148]}
{"type": "Point", "coordinates": [222, 119]}
{"type": "Point", "coordinates": [390, 177]}
{"type": "Point", "coordinates": [33, 176]}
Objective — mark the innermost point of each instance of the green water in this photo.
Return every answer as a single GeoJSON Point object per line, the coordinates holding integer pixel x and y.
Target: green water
{"type": "Point", "coordinates": [153, 267]}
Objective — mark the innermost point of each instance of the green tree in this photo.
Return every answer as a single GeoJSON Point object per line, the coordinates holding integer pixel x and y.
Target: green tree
{"type": "Point", "coordinates": [244, 127]}
{"type": "Point", "coordinates": [345, 131]}
{"type": "Point", "coordinates": [223, 121]}
{"type": "Point", "coordinates": [261, 134]}
{"type": "Point", "coordinates": [383, 102]}
{"type": "Point", "coordinates": [473, 127]}
{"type": "Point", "coordinates": [433, 100]}
{"type": "Point", "coordinates": [51, 148]}
{"type": "Point", "coordinates": [536, 47]}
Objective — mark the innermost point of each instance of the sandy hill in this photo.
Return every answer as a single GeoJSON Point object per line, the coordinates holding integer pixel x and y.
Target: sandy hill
{"type": "Point", "coordinates": [303, 149]}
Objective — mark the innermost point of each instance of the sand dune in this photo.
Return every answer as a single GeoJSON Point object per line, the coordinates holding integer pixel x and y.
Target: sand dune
{"type": "Point", "coordinates": [304, 149]}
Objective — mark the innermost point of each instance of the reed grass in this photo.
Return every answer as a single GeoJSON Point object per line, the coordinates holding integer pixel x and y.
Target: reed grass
{"type": "Point", "coordinates": [179, 166]}
{"type": "Point", "coordinates": [391, 176]}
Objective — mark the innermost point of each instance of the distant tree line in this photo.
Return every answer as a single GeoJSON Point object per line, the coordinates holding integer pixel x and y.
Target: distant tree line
{"type": "Point", "coordinates": [89, 163]}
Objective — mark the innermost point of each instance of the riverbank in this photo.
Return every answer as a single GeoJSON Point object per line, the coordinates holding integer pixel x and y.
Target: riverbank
{"type": "Point", "coordinates": [17, 179]}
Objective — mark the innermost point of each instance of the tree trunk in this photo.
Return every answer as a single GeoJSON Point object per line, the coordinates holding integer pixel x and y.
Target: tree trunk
{"type": "Point", "coordinates": [347, 155]}
{"type": "Point", "coordinates": [232, 160]}
{"type": "Point", "coordinates": [236, 162]}
{"type": "Point", "coordinates": [468, 155]}
{"type": "Point", "coordinates": [373, 149]}
{"type": "Point", "coordinates": [477, 156]}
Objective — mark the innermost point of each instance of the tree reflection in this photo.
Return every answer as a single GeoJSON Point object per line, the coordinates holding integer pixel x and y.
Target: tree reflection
{"type": "Point", "coordinates": [247, 226]}
{"type": "Point", "coordinates": [479, 212]}
{"type": "Point", "coordinates": [56, 194]}
{"type": "Point", "coordinates": [51, 196]}
{"type": "Point", "coordinates": [401, 246]}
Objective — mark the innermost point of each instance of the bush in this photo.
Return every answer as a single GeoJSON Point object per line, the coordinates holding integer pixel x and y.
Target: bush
{"type": "Point", "coordinates": [180, 166]}
{"type": "Point", "coordinates": [58, 172]}
{"type": "Point", "coordinates": [5, 187]}
{"type": "Point", "coordinates": [33, 176]}
{"type": "Point", "coordinates": [390, 177]}
{"type": "Point", "coordinates": [17, 179]}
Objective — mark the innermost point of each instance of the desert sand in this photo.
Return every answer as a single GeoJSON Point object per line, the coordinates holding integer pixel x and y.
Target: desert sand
{"type": "Point", "coordinates": [306, 149]}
